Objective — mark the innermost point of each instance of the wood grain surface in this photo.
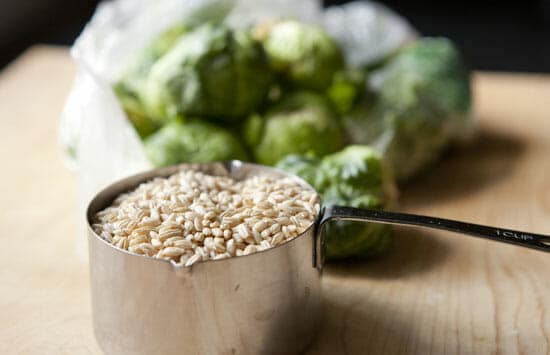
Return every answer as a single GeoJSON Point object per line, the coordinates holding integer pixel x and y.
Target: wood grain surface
{"type": "Point", "coordinates": [433, 293]}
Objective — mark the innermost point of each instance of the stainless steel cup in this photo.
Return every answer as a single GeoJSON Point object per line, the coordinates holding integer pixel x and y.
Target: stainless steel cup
{"type": "Point", "coordinates": [263, 303]}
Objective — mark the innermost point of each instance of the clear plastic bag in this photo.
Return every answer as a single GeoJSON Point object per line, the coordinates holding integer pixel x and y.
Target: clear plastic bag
{"type": "Point", "coordinates": [99, 142]}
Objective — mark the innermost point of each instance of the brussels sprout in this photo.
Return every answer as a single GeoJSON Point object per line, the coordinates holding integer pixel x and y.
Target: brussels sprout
{"type": "Point", "coordinates": [131, 84]}
{"type": "Point", "coordinates": [357, 177]}
{"type": "Point", "coordinates": [306, 167]}
{"type": "Point", "coordinates": [423, 104]}
{"type": "Point", "coordinates": [128, 87]}
{"type": "Point", "coordinates": [140, 65]}
{"type": "Point", "coordinates": [356, 239]}
{"type": "Point", "coordinates": [301, 123]}
{"type": "Point", "coordinates": [192, 142]}
{"type": "Point", "coordinates": [355, 171]}
{"type": "Point", "coordinates": [135, 112]}
{"type": "Point", "coordinates": [305, 54]}
{"type": "Point", "coordinates": [346, 88]}
{"type": "Point", "coordinates": [211, 72]}
{"type": "Point", "coordinates": [162, 44]}
{"type": "Point", "coordinates": [430, 71]}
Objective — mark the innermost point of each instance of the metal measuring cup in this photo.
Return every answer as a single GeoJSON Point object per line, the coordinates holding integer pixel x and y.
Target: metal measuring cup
{"type": "Point", "coordinates": [262, 303]}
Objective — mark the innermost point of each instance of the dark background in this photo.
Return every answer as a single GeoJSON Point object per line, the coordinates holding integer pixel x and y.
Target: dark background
{"type": "Point", "coordinates": [494, 35]}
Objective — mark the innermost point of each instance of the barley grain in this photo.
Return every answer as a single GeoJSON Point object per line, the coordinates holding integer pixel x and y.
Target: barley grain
{"type": "Point", "coordinates": [190, 216]}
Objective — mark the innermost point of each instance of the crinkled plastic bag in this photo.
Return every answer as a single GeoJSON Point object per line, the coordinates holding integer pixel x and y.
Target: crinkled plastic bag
{"type": "Point", "coordinates": [98, 141]}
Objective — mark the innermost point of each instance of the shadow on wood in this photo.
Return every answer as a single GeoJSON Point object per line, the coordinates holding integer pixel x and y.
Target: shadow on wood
{"type": "Point", "coordinates": [412, 251]}
{"type": "Point", "coordinates": [464, 170]}
{"type": "Point", "coordinates": [364, 325]}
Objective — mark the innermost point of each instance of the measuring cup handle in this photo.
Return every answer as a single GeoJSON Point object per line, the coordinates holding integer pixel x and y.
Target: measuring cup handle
{"type": "Point", "coordinates": [342, 213]}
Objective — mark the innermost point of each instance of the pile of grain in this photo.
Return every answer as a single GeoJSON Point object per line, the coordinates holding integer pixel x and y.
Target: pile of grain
{"type": "Point", "coordinates": [191, 216]}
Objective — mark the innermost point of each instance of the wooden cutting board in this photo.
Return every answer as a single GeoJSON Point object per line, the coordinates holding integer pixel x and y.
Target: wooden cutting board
{"type": "Point", "coordinates": [433, 293]}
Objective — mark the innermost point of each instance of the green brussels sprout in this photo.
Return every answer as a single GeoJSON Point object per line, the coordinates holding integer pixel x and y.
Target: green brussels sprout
{"type": "Point", "coordinates": [306, 167]}
{"type": "Point", "coordinates": [129, 85]}
{"type": "Point", "coordinates": [133, 80]}
{"type": "Point", "coordinates": [305, 54]}
{"type": "Point", "coordinates": [135, 112]}
{"type": "Point", "coordinates": [140, 65]}
{"type": "Point", "coordinates": [423, 104]}
{"type": "Point", "coordinates": [300, 123]}
{"type": "Point", "coordinates": [356, 177]}
{"type": "Point", "coordinates": [346, 239]}
{"type": "Point", "coordinates": [211, 72]}
{"type": "Point", "coordinates": [430, 71]}
{"type": "Point", "coordinates": [192, 142]}
{"type": "Point", "coordinates": [346, 88]}
{"type": "Point", "coordinates": [162, 44]}
{"type": "Point", "coordinates": [355, 171]}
